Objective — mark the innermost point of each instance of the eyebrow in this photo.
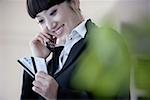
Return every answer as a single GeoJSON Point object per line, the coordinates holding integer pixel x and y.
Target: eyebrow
{"type": "Point", "coordinates": [44, 11]}
{"type": "Point", "coordinates": [51, 9]}
{"type": "Point", "coordinates": [38, 16]}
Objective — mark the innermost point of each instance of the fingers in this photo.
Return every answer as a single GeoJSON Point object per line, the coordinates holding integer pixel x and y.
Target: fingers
{"type": "Point", "coordinates": [42, 37]}
{"type": "Point", "coordinates": [37, 90]}
{"type": "Point", "coordinates": [48, 36]}
{"type": "Point", "coordinates": [45, 36]}
{"type": "Point", "coordinates": [37, 39]}
{"type": "Point", "coordinates": [49, 40]}
{"type": "Point", "coordinates": [42, 79]}
{"type": "Point", "coordinates": [42, 75]}
{"type": "Point", "coordinates": [37, 84]}
{"type": "Point", "coordinates": [41, 83]}
{"type": "Point", "coordinates": [45, 85]}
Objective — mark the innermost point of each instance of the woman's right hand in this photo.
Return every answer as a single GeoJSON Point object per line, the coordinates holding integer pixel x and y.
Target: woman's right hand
{"type": "Point", "coordinates": [38, 45]}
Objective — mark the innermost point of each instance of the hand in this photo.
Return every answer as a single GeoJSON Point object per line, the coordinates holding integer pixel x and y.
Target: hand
{"type": "Point", "coordinates": [45, 85]}
{"type": "Point", "coordinates": [38, 45]}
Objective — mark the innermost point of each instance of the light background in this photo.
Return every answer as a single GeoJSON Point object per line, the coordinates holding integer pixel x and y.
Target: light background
{"type": "Point", "coordinates": [17, 28]}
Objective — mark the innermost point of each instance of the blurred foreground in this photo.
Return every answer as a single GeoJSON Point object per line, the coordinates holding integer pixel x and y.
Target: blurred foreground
{"type": "Point", "coordinates": [118, 58]}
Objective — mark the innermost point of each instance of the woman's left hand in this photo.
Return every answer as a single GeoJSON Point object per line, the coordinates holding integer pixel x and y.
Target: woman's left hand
{"type": "Point", "coordinates": [45, 85]}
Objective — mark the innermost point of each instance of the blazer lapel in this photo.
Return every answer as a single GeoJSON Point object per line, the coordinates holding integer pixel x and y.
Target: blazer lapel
{"type": "Point", "coordinates": [75, 52]}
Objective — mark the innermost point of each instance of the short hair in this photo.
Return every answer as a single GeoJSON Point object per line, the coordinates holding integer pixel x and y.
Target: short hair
{"type": "Point", "coordinates": [36, 6]}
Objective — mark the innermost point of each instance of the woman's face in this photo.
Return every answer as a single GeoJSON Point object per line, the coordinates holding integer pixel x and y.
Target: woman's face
{"type": "Point", "coordinates": [59, 20]}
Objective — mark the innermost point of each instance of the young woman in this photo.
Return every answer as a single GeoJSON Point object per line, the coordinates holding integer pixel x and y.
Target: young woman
{"type": "Point", "coordinates": [63, 33]}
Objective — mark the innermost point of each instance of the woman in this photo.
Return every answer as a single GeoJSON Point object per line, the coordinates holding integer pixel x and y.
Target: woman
{"type": "Point", "coordinates": [63, 33]}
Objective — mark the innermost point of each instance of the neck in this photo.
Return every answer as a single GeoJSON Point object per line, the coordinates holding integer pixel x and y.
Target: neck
{"type": "Point", "coordinates": [80, 19]}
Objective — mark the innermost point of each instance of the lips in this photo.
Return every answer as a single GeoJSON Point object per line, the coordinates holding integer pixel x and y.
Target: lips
{"type": "Point", "coordinates": [59, 30]}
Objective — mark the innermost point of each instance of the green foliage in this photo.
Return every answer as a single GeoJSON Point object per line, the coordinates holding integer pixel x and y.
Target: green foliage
{"type": "Point", "coordinates": [142, 74]}
{"type": "Point", "coordinates": [138, 39]}
{"type": "Point", "coordinates": [105, 66]}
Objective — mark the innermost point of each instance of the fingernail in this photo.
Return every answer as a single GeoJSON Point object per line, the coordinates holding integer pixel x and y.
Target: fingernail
{"type": "Point", "coordinates": [33, 88]}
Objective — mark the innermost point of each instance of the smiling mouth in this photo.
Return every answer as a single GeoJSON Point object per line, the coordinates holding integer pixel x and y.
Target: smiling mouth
{"type": "Point", "coordinates": [59, 30]}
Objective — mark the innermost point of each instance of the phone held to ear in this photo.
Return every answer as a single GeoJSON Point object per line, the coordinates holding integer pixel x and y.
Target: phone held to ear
{"type": "Point", "coordinates": [51, 43]}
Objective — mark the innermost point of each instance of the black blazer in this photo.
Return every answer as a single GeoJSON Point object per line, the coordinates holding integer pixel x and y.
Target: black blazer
{"type": "Point", "coordinates": [65, 91]}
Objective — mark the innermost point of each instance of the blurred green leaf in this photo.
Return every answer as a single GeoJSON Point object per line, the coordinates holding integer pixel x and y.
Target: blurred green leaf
{"type": "Point", "coordinates": [105, 66]}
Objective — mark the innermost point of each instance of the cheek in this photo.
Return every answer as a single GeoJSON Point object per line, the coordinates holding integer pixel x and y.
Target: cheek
{"type": "Point", "coordinates": [68, 26]}
{"type": "Point", "coordinates": [43, 28]}
{"type": "Point", "coordinates": [64, 18]}
{"type": "Point", "coordinates": [58, 18]}
{"type": "Point", "coordinates": [69, 22]}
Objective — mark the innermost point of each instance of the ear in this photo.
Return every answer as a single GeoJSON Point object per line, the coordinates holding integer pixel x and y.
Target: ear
{"type": "Point", "coordinates": [75, 4]}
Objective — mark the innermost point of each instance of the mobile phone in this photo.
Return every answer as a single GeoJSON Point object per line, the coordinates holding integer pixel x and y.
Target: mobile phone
{"type": "Point", "coordinates": [51, 44]}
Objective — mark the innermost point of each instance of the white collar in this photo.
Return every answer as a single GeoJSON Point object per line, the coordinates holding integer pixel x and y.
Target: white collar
{"type": "Point", "coordinates": [80, 29]}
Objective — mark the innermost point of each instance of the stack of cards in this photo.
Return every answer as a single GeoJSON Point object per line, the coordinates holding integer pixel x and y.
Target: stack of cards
{"type": "Point", "coordinates": [32, 65]}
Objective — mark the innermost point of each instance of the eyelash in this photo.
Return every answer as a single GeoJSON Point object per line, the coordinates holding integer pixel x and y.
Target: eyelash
{"type": "Point", "coordinates": [53, 12]}
{"type": "Point", "coordinates": [41, 21]}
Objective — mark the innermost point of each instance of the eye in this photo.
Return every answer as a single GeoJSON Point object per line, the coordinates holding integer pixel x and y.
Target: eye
{"type": "Point", "coordinates": [41, 21]}
{"type": "Point", "coordinates": [53, 12]}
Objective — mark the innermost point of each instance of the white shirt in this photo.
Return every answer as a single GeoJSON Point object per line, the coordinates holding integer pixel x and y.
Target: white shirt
{"type": "Point", "coordinates": [77, 33]}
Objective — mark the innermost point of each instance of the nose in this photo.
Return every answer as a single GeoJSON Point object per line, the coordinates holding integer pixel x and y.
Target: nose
{"type": "Point", "coordinates": [51, 25]}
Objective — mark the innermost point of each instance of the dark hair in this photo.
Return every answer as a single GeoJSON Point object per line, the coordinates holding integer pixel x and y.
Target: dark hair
{"type": "Point", "coordinates": [36, 6]}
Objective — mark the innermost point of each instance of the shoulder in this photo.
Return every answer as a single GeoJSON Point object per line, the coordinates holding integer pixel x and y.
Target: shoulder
{"type": "Point", "coordinates": [90, 25]}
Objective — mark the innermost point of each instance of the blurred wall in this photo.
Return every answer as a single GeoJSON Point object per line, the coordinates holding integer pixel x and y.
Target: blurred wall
{"type": "Point", "coordinates": [17, 28]}
{"type": "Point", "coordinates": [14, 35]}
